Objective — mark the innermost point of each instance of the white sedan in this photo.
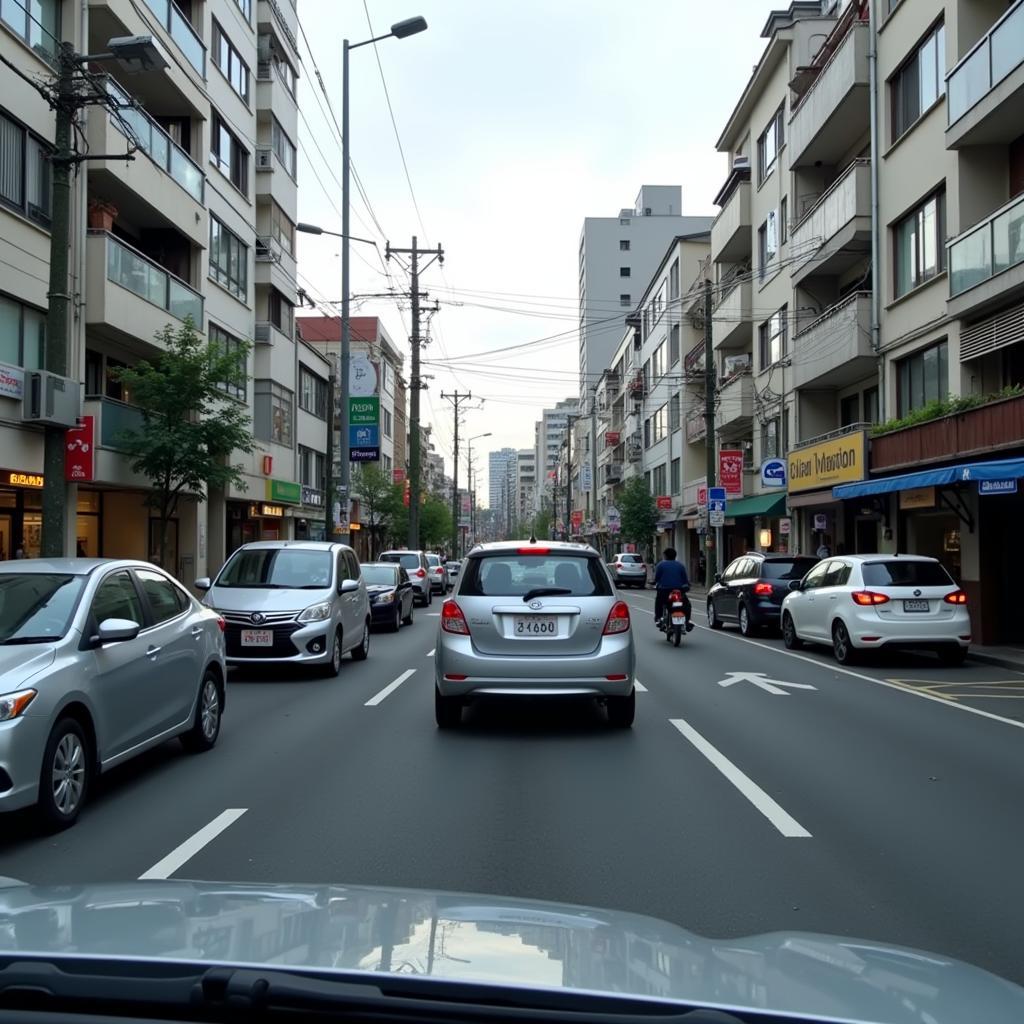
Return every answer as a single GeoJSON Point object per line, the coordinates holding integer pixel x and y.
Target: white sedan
{"type": "Point", "coordinates": [864, 602]}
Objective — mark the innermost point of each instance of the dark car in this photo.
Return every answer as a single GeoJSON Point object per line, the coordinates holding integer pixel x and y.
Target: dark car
{"type": "Point", "coordinates": [391, 594]}
{"type": "Point", "coordinates": [749, 592]}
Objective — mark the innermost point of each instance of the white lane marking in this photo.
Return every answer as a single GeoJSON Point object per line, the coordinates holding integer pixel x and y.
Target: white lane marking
{"type": "Point", "coordinates": [188, 849]}
{"type": "Point", "coordinates": [760, 679]}
{"type": "Point", "coordinates": [430, 653]}
{"type": "Point", "coordinates": [434, 615]}
{"type": "Point", "coordinates": [781, 819]}
{"type": "Point", "coordinates": [639, 687]}
{"type": "Point", "coordinates": [390, 688]}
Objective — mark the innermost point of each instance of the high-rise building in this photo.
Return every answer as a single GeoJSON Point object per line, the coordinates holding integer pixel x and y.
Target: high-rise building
{"type": "Point", "coordinates": [501, 477]}
{"type": "Point", "coordinates": [526, 483]}
{"type": "Point", "coordinates": [548, 437]}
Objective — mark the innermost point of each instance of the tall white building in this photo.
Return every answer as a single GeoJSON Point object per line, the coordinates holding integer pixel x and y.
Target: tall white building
{"type": "Point", "coordinates": [548, 437]}
{"type": "Point", "coordinates": [526, 482]}
{"type": "Point", "coordinates": [501, 477]}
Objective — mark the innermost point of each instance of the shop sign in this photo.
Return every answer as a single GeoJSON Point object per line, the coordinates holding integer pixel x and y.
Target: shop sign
{"type": "Point", "coordinates": [576, 518]}
{"type": "Point", "coordinates": [785, 527]}
{"type": "Point", "coordinates": [843, 460]}
{"type": "Point", "coordinates": [918, 497]}
{"type": "Point", "coordinates": [362, 375]}
{"type": "Point", "coordinates": [730, 470]}
{"type": "Point", "coordinates": [365, 409]}
{"type": "Point", "coordinates": [586, 478]}
{"type": "Point", "coordinates": [264, 511]}
{"type": "Point", "coordinates": [12, 381]}
{"type": "Point", "coordinates": [773, 473]}
{"type": "Point", "coordinates": [79, 452]}
{"type": "Point", "coordinates": [312, 496]}
{"type": "Point", "coordinates": [997, 486]}
{"type": "Point", "coordinates": [663, 502]}
{"type": "Point", "coordinates": [702, 496]}
{"type": "Point", "coordinates": [283, 490]}
{"type": "Point", "coordinates": [364, 453]}
{"type": "Point", "coordinates": [398, 476]}
{"type": "Point", "coordinates": [612, 438]}
{"type": "Point", "coordinates": [17, 479]}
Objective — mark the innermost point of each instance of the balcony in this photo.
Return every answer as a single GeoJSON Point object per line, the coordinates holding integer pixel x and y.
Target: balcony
{"type": "Point", "coordinates": [180, 29]}
{"type": "Point", "coordinates": [612, 472]}
{"type": "Point", "coordinates": [732, 324]}
{"type": "Point", "coordinates": [736, 405]}
{"type": "Point", "coordinates": [136, 298]}
{"type": "Point", "coordinates": [693, 362]}
{"type": "Point", "coordinates": [833, 114]}
{"type": "Point", "coordinates": [732, 231]}
{"type": "Point", "coordinates": [985, 91]}
{"type": "Point", "coordinates": [834, 350]}
{"type": "Point", "coordinates": [636, 386]}
{"type": "Point", "coordinates": [986, 263]}
{"type": "Point", "coordinates": [696, 426]}
{"type": "Point", "coordinates": [273, 95]}
{"type": "Point", "coordinates": [836, 232]}
{"type": "Point", "coordinates": [275, 266]}
{"type": "Point", "coordinates": [273, 181]}
{"type": "Point", "coordinates": [111, 419]}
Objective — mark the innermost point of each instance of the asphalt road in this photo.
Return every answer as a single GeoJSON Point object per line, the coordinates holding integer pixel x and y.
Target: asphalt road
{"type": "Point", "coordinates": [843, 802]}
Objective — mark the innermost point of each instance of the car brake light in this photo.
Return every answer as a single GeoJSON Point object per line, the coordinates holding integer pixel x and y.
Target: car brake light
{"type": "Point", "coordinates": [221, 623]}
{"type": "Point", "coordinates": [533, 551]}
{"type": "Point", "coordinates": [618, 619]}
{"type": "Point", "coordinates": [869, 597]}
{"type": "Point", "coordinates": [420, 573]}
{"type": "Point", "coordinates": [763, 588]}
{"type": "Point", "coordinates": [618, 565]}
{"type": "Point", "coordinates": [452, 619]}
{"type": "Point", "coordinates": [956, 597]}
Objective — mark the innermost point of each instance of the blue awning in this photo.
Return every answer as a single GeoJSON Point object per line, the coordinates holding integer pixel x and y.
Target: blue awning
{"type": "Point", "coordinates": [966, 472]}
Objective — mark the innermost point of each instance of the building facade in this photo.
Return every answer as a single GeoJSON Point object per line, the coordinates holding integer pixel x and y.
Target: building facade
{"type": "Point", "coordinates": [549, 434]}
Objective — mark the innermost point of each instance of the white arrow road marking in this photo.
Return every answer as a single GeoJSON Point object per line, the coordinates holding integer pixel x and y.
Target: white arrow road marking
{"type": "Point", "coordinates": [188, 849]}
{"type": "Point", "coordinates": [758, 679]}
{"type": "Point", "coordinates": [430, 653]}
{"type": "Point", "coordinates": [639, 687]}
{"type": "Point", "coordinates": [390, 688]}
{"type": "Point", "coordinates": [782, 820]}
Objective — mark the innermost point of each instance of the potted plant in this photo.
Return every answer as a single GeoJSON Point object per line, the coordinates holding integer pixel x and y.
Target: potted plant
{"type": "Point", "coordinates": [101, 214]}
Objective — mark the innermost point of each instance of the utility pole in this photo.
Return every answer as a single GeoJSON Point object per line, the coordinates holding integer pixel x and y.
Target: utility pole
{"type": "Point", "coordinates": [593, 459]}
{"type": "Point", "coordinates": [709, 438]}
{"type": "Point", "coordinates": [415, 383]}
{"type": "Point", "coordinates": [456, 398]}
{"type": "Point", "coordinates": [570, 423]}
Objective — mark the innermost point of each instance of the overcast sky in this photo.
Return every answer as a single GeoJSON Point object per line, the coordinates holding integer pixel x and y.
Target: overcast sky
{"type": "Point", "coordinates": [518, 118]}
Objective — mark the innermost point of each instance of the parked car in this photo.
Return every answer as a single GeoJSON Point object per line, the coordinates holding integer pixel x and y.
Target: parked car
{"type": "Point", "coordinates": [416, 565]}
{"type": "Point", "coordinates": [452, 568]}
{"type": "Point", "coordinates": [391, 594]}
{"type": "Point", "coordinates": [749, 593]}
{"type": "Point", "coordinates": [438, 575]}
{"type": "Point", "coordinates": [628, 569]}
{"type": "Point", "coordinates": [866, 602]}
{"type": "Point", "coordinates": [292, 602]}
{"type": "Point", "coordinates": [100, 659]}
{"type": "Point", "coordinates": [538, 620]}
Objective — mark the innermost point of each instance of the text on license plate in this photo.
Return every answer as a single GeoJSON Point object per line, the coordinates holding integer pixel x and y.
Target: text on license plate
{"type": "Point", "coordinates": [257, 638]}
{"type": "Point", "coordinates": [915, 606]}
{"type": "Point", "coordinates": [534, 625]}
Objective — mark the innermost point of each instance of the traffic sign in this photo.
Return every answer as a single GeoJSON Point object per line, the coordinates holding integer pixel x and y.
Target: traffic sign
{"type": "Point", "coordinates": [716, 517]}
{"type": "Point", "coordinates": [716, 494]}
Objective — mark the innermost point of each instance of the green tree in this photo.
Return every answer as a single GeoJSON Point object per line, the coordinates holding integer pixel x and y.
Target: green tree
{"type": "Point", "coordinates": [379, 500]}
{"type": "Point", "coordinates": [637, 511]}
{"type": "Point", "coordinates": [435, 522]}
{"type": "Point", "coordinates": [189, 429]}
{"type": "Point", "coordinates": [542, 525]}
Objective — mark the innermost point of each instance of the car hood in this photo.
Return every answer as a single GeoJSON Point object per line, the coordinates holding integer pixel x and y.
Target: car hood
{"type": "Point", "coordinates": [380, 588]}
{"type": "Point", "coordinates": [485, 939]}
{"type": "Point", "coordinates": [19, 662]}
{"type": "Point", "coordinates": [243, 599]}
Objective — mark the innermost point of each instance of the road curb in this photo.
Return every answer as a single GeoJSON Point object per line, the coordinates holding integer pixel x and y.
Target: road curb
{"type": "Point", "coordinates": [996, 659]}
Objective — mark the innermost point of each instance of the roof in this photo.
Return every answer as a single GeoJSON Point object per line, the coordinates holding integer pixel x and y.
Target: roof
{"type": "Point", "coordinates": [497, 546]}
{"type": "Point", "coordinates": [306, 545]}
{"type": "Point", "coordinates": [68, 566]}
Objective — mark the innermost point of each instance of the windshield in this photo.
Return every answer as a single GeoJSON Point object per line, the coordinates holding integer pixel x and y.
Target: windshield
{"type": "Point", "coordinates": [36, 607]}
{"type": "Point", "coordinates": [286, 568]}
{"type": "Point", "coordinates": [377, 574]}
{"type": "Point", "coordinates": [905, 573]}
{"type": "Point", "coordinates": [433, 560]}
{"type": "Point", "coordinates": [794, 569]}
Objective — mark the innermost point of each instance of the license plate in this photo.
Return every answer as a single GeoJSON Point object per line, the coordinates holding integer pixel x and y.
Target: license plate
{"type": "Point", "coordinates": [678, 620]}
{"type": "Point", "coordinates": [257, 638]}
{"type": "Point", "coordinates": [916, 606]}
{"type": "Point", "coordinates": [534, 625]}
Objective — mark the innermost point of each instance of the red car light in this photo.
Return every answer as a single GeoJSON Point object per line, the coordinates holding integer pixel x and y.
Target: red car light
{"type": "Point", "coordinates": [617, 678]}
{"type": "Point", "coordinates": [221, 623]}
{"type": "Point", "coordinates": [763, 588]}
{"type": "Point", "coordinates": [455, 677]}
{"type": "Point", "coordinates": [421, 573]}
{"type": "Point", "coordinates": [957, 597]}
{"type": "Point", "coordinates": [533, 551]}
{"type": "Point", "coordinates": [865, 598]}
{"type": "Point", "coordinates": [618, 619]}
{"type": "Point", "coordinates": [452, 619]}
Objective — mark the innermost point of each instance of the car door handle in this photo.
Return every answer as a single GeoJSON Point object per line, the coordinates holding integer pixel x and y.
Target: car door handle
{"type": "Point", "coordinates": [152, 652]}
{"type": "Point", "coordinates": [197, 631]}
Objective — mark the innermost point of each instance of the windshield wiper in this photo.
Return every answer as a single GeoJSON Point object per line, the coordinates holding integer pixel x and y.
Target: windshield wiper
{"type": "Point", "coordinates": [545, 592]}
{"type": "Point", "coordinates": [28, 640]}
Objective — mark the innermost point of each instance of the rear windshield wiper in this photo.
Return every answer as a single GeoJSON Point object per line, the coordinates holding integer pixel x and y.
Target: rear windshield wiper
{"type": "Point", "coordinates": [545, 592]}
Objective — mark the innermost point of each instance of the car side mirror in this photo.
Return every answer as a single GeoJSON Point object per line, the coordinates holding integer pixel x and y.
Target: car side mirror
{"type": "Point", "coordinates": [348, 586]}
{"type": "Point", "coordinates": [718, 577]}
{"type": "Point", "coordinates": [203, 583]}
{"type": "Point", "coordinates": [796, 584]}
{"type": "Point", "coordinates": [111, 631]}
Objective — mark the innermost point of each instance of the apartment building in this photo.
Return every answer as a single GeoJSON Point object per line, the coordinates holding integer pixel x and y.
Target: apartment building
{"type": "Point", "coordinates": [501, 477]}
{"type": "Point", "coordinates": [526, 484]}
{"type": "Point", "coordinates": [549, 433]}
{"type": "Point", "coordinates": [198, 225]}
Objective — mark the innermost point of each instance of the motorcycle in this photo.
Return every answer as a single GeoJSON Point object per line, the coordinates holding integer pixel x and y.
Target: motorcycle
{"type": "Point", "coordinates": [673, 620]}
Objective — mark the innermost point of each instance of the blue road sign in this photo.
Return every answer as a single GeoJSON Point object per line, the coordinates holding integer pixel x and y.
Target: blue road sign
{"type": "Point", "coordinates": [363, 435]}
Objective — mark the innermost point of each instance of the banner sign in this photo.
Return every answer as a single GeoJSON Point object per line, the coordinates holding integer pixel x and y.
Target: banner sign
{"type": "Point", "coordinates": [79, 452]}
{"type": "Point", "coordinates": [730, 470]}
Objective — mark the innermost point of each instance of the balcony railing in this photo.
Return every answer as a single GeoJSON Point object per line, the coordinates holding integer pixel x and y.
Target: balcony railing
{"type": "Point", "coordinates": [612, 472]}
{"type": "Point", "coordinates": [180, 29]}
{"type": "Point", "coordinates": [833, 210]}
{"type": "Point", "coordinates": [696, 425]}
{"type": "Point", "coordinates": [115, 419]}
{"type": "Point", "coordinates": [156, 143]}
{"type": "Point", "coordinates": [988, 248]}
{"type": "Point", "coordinates": [128, 268]}
{"type": "Point", "coordinates": [993, 57]}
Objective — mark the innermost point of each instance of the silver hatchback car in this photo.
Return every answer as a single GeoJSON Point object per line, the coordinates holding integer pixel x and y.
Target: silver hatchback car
{"type": "Point", "coordinates": [100, 660]}
{"type": "Point", "coordinates": [296, 602]}
{"type": "Point", "coordinates": [534, 619]}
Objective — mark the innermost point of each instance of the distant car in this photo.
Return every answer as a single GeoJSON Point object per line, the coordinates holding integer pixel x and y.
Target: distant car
{"type": "Point", "coordinates": [100, 659]}
{"type": "Point", "coordinates": [391, 594]}
{"type": "Point", "coordinates": [534, 619]}
{"type": "Point", "coordinates": [749, 593]}
{"type": "Point", "coordinates": [628, 569]}
{"type": "Point", "coordinates": [438, 575]}
{"type": "Point", "coordinates": [292, 602]}
{"type": "Point", "coordinates": [452, 568]}
{"type": "Point", "coordinates": [416, 565]}
{"type": "Point", "coordinates": [865, 602]}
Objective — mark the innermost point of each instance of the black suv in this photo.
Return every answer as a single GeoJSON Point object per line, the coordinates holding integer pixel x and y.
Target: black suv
{"type": "Point", "coordinates": [750, 591]}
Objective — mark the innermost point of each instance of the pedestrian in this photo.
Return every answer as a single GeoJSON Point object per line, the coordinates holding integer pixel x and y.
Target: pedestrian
{"type": "Point", "coordinates": [671, 575]}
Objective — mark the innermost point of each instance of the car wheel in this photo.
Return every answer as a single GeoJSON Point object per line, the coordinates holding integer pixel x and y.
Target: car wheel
{"type": "Point", "coordinates": [789, 637]}
{"type": "Point", "coordinates": [65, 776]}
{"type": "Point", "coordinates": [622, 711]}
{"type": "Point", "coordinates": [714, 622]}
{"type": "Point", "coordinates": [407, 621]}
{"type": "Point", "coordinates": [333, 667]}
{"type": "Point", "coordinates": [206, 726]}
{"type": "Point", "coordinates": [362, 652]}
{"type": "Point", "coordinates": [746, 626]}
{"type": "Point", "coordinates": [842, 646]}
{"type": "Point", "coordinates": [396, 623]}
{"type": "Point", "coordinates": [953, 655]}
{"type": "Point", "coordinates": [447, 710]}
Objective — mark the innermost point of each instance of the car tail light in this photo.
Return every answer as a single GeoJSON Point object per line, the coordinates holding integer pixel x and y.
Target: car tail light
{"type": "Point", "coordinates": [869, 597]}
{"type": "Point", "coordinates": [618, 619]}
{"type": "Point", "coordinates": [618, 677]}
{"type": "Point", "coordinates": [533, 551]}
{"type": "Point", "coordinates": [452, 619]}
{"type": "Point", "coordinates": [956, 597]}
{"type": "Point", "coordinates": [763, 588]}
{"type": "Point", "coordinates": [420, 573]}
{"type": "Point", "coordinates": [618, 565]}
{"type": "Point", "coordinates": [221, 623]}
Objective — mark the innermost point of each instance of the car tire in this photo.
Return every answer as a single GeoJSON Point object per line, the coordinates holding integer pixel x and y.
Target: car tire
{"type": "Point", "coordinates": [333, 667]}
{"type": "Point", "coordinates": [67, 755]}
{"type": "Point", "coordinates": [789, 637]}
{"type": "Point", "coordinates": [205, 728]}
{"type": "Point", "coordinates": [396, 623]}
{"type": "Point", "coordinates": [447, 711]}
{"type": "Point", "coordinates": [407, 621]}
{"type": "Point", "coordinates": [362, 651]}
{"type": "Point", "coordinates": [714, 622]}
{"type": "Point", "coordinates": [953, 655]}
{"type": "Point", "coordinates": [746, 626]}
{"type": "Point", "coordinates": [842, 646]}
{"type": "Point", "coordinates": [622, 711]}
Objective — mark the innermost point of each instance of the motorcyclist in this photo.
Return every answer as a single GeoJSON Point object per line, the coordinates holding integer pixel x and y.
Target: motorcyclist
{"type": "Point", "coordinates": [671, 575]}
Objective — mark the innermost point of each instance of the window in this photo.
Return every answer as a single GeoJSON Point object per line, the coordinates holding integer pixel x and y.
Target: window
{"type": "Point", "coordinates": [673, 412]}
{"type": "Point", "coordinates": [658, 303]}
{"type": "Point", "coordinates": [509, 575]}
{"type": "Point", "coordinates": [280, 312]}
{"type": "Point", "coordinates": [768, 146]}
{"type": "Point", "coordinates": [770, 439]}
{"type": "Point", "coordinates": [768, 242]}
{"type": "Point", "coordinates": [245, 6]}
{"type": "Point", "coordinates": [24, 169]}
{"type": "Point", "coordinates": [624, 222]}
{"type": "Point", "coordinates": [38, 23]}
{"type": "Point", "coordinates": [117, 598]}
{"type": "Point", "coordinates": [283, 147]}
{"type": "Point", "coordinates": [229, 259]}
{"type": "Point", "coordinates": [164, 598]}
{"type": "Point", "coordinates": [658, 362]}
{"type": "Point", "coordinates": [282, 230]}
{"type": "Point", "coordinates": [623, 245]}
{"type": "Point", "coordinates": [312, 468]}
{"type": "Point", "coordinates": [849, 410]}
{"type": "Point", "coordinates": [905, 573]}
{"type": "Point", "coordinates": [647, 433]}
{"type": "Point", "coordinates": [231, 345]}
{"type": "Point", "coordinates": [675, 477]}
{"type": "Point", "coordinates": [919, 240]}
{"type": "Point", "coordinates": [673, 345]}
{"type": "Point", "coordinates": [228, 59]}
{"type": "Point", "coordinates": [772, 339]}
{"type": "Point", "coordinates": [783, 217]}
{"type": "Point", "coordinates": [871, 405]}
{"type": "Point", "coordinates": [625, 299]}
{"type": "Point", "coordinates": [816, 577]}
{"type": "Point", "coordinates": [658, 480]}
{"type": "Point", "coordinates": [386, 422]}
{"type": "Point", "coordinates": [673, 280]}
{"type": "Point", "coordinates": [659, 425]}
{"type": "Point", "coordinates": [22, 334]}
{"type": "Point", "coordinates": [623, 271]}
{"type": "Point", "coordinates": [312, 393]}
{"type": "Point", "coordinates": [837, 575]}
{"type": "Point", "coordinates": [273, 412]}
{"type": "Point", "coordinates": [228, 155]}
{"type": "Point", "coordinates": [919, 82]}
{"type": "Point", "coordinates": [285, 72]}
{"type": "Point", "coordinates": [922, 378]}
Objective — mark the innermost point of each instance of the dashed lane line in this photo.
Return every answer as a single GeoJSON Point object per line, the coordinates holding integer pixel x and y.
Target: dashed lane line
{"type": "Point", "coordinates": [389, 689]}
{"type": "Point", "coordinates": [188, 849]}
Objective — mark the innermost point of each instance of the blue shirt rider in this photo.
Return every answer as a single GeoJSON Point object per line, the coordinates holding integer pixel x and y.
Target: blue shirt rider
{"type": "Point", "coordinates": [671, 575]}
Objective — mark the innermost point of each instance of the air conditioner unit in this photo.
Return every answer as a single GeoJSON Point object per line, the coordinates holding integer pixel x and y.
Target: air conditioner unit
{"type": "Point", "coordinates": [264, 158]}
{"type": "Point", "coordinates": [49, 399]}
{"type": "Point", "coordinates": [741, 163]}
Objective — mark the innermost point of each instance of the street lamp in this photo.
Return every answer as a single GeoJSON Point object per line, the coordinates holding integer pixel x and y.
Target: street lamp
{"type": "Point", "coordinates": [469, 469]}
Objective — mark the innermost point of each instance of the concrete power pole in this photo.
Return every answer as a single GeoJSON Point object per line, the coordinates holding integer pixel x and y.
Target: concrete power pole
{"type": "Point", "coordinates": [456, 398]}
{"type": "Point", "coordinates": [709, 419]}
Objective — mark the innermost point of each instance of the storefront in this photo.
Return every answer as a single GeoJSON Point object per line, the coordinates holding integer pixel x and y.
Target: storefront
{"type": "Point", "coordinates": [752, 524]}
{"type": "Point", "coordinates": [254, 520]}
{"type": "Point", "coordinates": [310, 522]}
{"type": "Point", "coordinates": [21, 517]}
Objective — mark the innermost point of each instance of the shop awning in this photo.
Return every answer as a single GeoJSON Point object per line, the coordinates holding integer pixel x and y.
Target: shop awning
{"type": "Point", "coordinates": [760, 505]}
{"type": "Point", "coordinates": [966, 472]}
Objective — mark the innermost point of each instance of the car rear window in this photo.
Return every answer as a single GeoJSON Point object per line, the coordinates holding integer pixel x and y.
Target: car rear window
{"type": "Point", "coordinates": [385, 574]}
{"type": "Point", "coordinates": [787, 569]}
{"type": "Point", "coordinates": [512, 575]}
{"type": "Point", "coordinates": [408, 560]}
{"type": "Point", "coordinates": [630, 558]}
{"type": "Point", "coordinates": [906, 574]}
